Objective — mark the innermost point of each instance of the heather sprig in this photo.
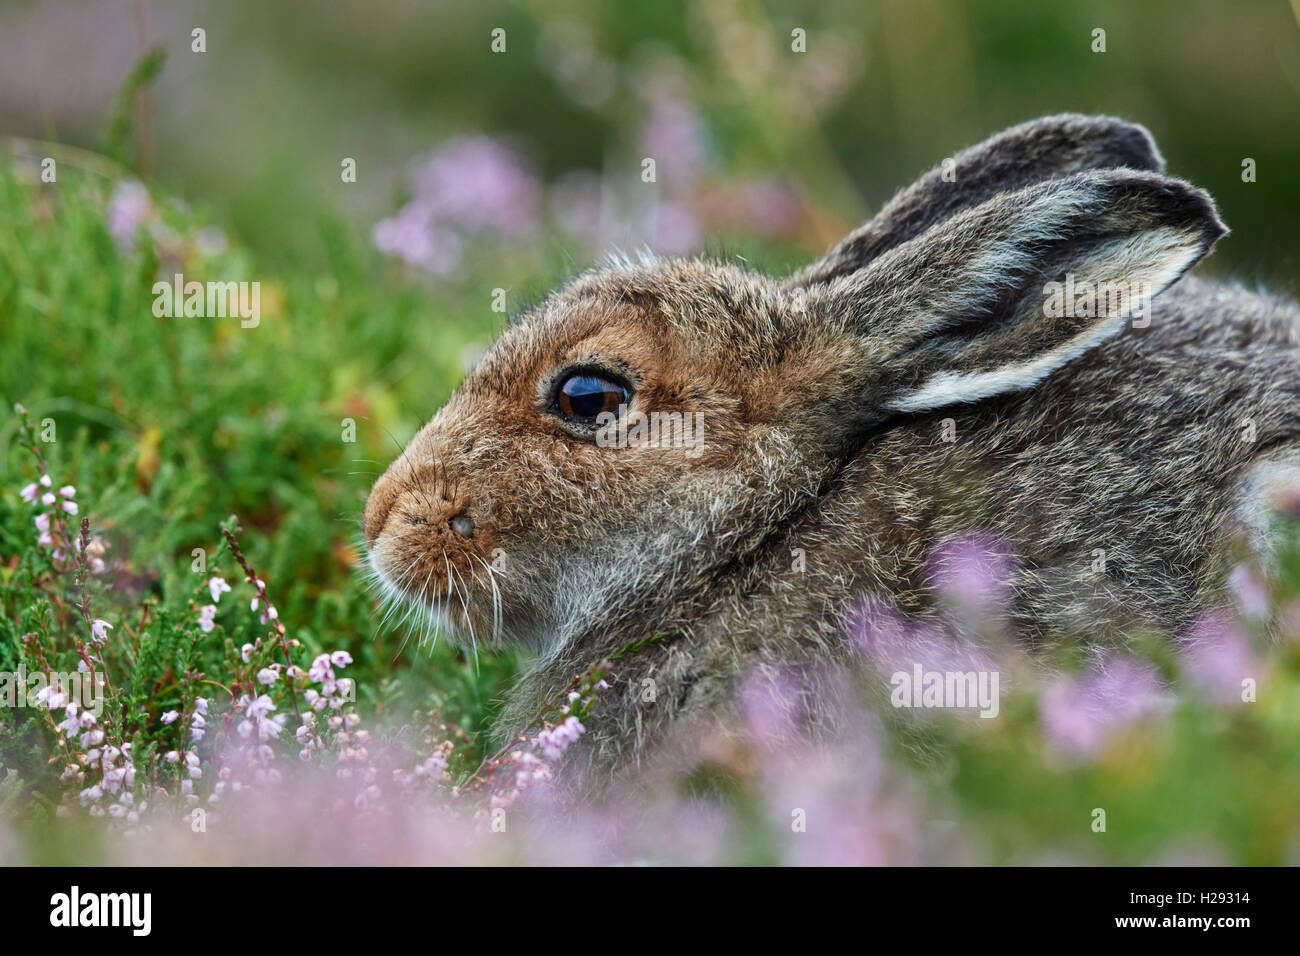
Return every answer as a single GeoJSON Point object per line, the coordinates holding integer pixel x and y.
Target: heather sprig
{"type": "Point", "coordinates": [527, 758]}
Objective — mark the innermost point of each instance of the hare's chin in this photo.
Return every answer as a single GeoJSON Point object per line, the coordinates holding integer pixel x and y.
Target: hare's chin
{"type": "Point", "coordinates": [448, 616]}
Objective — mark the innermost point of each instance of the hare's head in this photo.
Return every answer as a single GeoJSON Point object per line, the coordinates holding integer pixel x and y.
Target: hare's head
{"type": "Point", "coordinates": [648, 425]}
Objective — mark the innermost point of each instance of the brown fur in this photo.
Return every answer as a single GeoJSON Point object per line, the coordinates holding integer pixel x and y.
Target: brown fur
{"type": "Point", "coordinates": [824, 397]}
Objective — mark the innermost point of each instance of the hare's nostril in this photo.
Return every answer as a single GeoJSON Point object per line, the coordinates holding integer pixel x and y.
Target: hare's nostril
{"type": "Point", "coordinates": [462, 525]}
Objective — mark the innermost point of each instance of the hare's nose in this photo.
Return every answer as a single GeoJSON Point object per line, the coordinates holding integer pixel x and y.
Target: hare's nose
{"type": "Point", "coordinates": [462, 524]}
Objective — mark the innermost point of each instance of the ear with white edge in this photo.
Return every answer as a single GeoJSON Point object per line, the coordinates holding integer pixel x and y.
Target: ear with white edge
{"type": "Point", "coordinates": [1048, 148]}
{"type": "Point", "coordinates": [999, 296]}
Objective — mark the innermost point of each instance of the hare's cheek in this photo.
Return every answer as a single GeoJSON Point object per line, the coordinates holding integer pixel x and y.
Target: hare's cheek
{"type": "Point", "coordinates": [379, 507]}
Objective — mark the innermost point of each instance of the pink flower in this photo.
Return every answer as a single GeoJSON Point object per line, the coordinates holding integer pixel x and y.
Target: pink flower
{"type": "Point", "coordinates": [43, 523]}
{"type": "Point", "coordinates": [267, 676]}
{"type": "Point", "coordinates": [70, 507]}
{"type": "Point", "coordinates": [472, 185]}
{"type": "Point", "coordinates": [28, 493]}
{"type": "Point", "coordinates": [1251, 592]}
{"type": "Point", "coordinates": [246, 652]}
{"type": "Point", "coordinates": [674, 133]}
{"type": "Point", "coordinates": [99, 630]}
{"type": "Point", "coordinates": [47, 499]}
{"type": "Point", "coordinates": [974, 570]}
{"type": "Point", "coordinates": [672, 227]}
{"type": "Point", "coordinates": [1080, 714]}
{"type": "Point", "coordinates": [128, 209]}
{"type": "Point", "coordinates": [320, 669]}
{"type": "Point", "coordinates": [46, 481]}
{"type": "Point", "coordinates": [68, 491]}
{"type": "Point", "coordinates": [1218, 658]}
{"type": "Point", "coordinates": [207, 617]}
{"type": "Point", "coordinates": [170, 716]}
{"type": "Point", "coordinates": [555, 741]}
{"type": "Point", "coordinates": [217, 587]}
{"type": "Point", "coordinates": [341, 658]}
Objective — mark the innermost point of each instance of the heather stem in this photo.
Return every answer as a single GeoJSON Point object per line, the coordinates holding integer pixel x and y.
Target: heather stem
{"type": "Point", "coordinates": [272, 615]}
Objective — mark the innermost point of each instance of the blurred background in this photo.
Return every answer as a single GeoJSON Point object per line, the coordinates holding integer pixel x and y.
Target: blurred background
{"type": "Point", "coordinates": [760, 150]}
{"type": "Point", "coordinates": [775, 128]}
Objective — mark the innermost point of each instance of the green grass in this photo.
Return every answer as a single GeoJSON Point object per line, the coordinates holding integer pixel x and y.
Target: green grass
{"type": "Point", "coordinates": [166, 426]}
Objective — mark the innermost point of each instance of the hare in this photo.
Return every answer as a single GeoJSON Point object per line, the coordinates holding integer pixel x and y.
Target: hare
{"type": "Point", "coordinates": [1076, 422]}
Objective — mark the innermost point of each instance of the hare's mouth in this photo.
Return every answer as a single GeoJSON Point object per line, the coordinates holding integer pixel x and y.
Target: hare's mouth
{"type": "Point", "coordinates": [435, 589]}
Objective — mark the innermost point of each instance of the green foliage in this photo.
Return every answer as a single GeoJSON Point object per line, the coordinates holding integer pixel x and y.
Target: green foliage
{"type": "Point", "coordinates": [167, 425]}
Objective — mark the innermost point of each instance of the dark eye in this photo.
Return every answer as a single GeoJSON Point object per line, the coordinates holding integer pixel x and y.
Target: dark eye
{"type": "Point", "coordinates": [583, 395]}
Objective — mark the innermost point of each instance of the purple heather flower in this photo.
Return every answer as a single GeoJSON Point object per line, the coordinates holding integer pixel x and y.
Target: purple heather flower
{"type": "Point", "coordinates": [478, 183]}
{"type": "Point", "coordinates": [675, 137]}
{"type": "Point", "coordinates": [973, 569]}
{"type": "Point", "coordinates": [129, 208]}
{"type": "Point", "coordinates": [217, 586]}
{"type": "Point", "coordinates": [1217, 657]}
{"type": "Point", "coordinates": [1251, 592]}
{"type": "Point", "coordinates": [320, 671]}
{"type": "Point", "coordinates": [470, 185]}
{"type": "Point", "coordinates": [1079, 714]}
{"type": "Point", "coordinates": [412, 237]}
{"type": "Point", "coordinates": [260, 708]}
{"type": "Point", "coordinates": [894, 643]}
{"type": "Point", "coordinates": [672, 227]}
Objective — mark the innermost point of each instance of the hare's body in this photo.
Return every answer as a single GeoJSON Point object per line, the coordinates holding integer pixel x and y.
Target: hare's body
{"type": "Point", "coordinates": [1176, 417]}
{"type": "Point", "coordinates": [910, 388]}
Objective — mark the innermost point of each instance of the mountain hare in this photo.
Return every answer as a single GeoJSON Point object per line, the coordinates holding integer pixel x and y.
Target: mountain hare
{"type": "Point", "coordinates": [982, 356]}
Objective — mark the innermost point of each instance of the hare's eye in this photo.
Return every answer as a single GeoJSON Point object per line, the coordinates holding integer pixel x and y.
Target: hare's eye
{"type": "Point", "coordinates": [583, 395]}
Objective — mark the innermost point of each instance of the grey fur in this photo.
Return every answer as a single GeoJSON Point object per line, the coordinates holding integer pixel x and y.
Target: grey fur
{"type": "Point", "coordinates": [1046, 148]}
{"type": "Point", "coordinates": [825, 396]}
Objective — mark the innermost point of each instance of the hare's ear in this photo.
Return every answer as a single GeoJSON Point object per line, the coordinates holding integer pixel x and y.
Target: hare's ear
{"type": "Point", "coordinates": [999, 296]}
{"type": "Point", "coordinates": [1047, 148]}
